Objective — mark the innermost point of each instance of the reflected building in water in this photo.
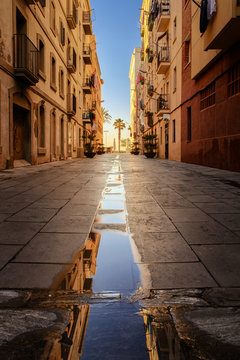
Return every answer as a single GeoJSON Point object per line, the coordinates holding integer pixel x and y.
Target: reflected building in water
{"type": "Point", "coordinates": [161, 338]}
{"type": "Point", "coordinates": [79, 280]}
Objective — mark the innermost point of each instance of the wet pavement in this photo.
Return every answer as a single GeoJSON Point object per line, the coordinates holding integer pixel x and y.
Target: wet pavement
{"type": "Point", "coordinates": [119, 257]}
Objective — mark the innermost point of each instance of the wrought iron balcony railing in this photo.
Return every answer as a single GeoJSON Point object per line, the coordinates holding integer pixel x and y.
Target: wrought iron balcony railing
{"type": "Point", "coordinates": [25, 59]}
{"type": "Point", "coordinates": [87, 23]}
{"type": "Point", "coordinates": [87, 54]}
{"type": "Point", "coordinates": [72, 16]}
{"type": "Point", "coordinates": [163, 102]}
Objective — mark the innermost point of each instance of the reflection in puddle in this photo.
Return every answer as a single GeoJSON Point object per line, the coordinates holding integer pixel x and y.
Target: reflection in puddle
{"type": "Point", "coordinates": [111, 205]}
{"type": "Point", "coordinates": [104, 269]}
{"type": "Point", "coordinates": [116, 218]}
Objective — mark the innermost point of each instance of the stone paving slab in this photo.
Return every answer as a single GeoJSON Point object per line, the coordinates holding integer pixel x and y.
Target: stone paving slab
{"type": "Point", "coordinates": [147, 208]}
{"type": "Point", "coordinates": [150, 223]}
{"type": "Point", "coordinates": [217, 208]}
{"type": "Point", "coordinates": [165, 247]}
{"type": "Point", "coordinates": [7, 252]}
{"type": "Point", "coordinates": [17, 233]}
{"type": "Point", "coordinates": [231, 221]}
{"type": "Point", "coordinates": [207, 232]}
{"type": "Point", "coordinates": [49, 203]}
{"type": "Point", "coordinates": [222, 261]}
{"type": "Point", "coordinates": [3, 217]}
{"type": "Point", "coordinates": [180, 276]}
{"type": "Point", "coordinates": [48, 248]}
{"type": "Point", "coordinates": [186, 215]}
{"type": "Point", "coordinates": [30, 276]}
{"type": "Point", "coordinates": [69, 224]}
{"type": "Point", "coordinates": [33, 215]}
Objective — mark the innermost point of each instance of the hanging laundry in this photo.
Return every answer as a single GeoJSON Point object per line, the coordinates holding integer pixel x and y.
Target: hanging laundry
{"type": "Point", "coordinates": [211, 8]}
{"type": "Point", "coordinates": [203, 16]}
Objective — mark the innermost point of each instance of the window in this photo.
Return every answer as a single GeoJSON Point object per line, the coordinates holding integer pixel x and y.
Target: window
{"type": "Point", "coordinates": [61, 83]}
{"type": "Point", "coordinates": [62, 33]}
{"type": "Point", "coordinates": [186, 53]}
{"type": "Point", "coordinates": [41, 57]}
{"type": "Point", "coordinates": [174, 29]}
{"type": "Point", "coordinates": [189, 124]}
{"type": "Point", "coordinates": [174, 79]}
{"type": "Point", "coordinates": [207, 96]}
{"type": "Point", "coordinates": [41, 128]}
{"type": "Point", "coordinates": [53, 73]}
{"type": "Point", "coordinates": [174, 131]}
{"type": "Point", "coordinates": [161, 135]}
{"type": "Point", "coordinates": [53, 17]}
{"type": "Point", "coordinates": [79, 98]}
{"type": "Point", "coordinates": [234, 80]}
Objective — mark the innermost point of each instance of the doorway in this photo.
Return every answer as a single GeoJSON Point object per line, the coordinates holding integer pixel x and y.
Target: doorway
{"type": "Point", "coordinates": [166, 141]}
{"type": "Point", "coordinates": [21, 133]}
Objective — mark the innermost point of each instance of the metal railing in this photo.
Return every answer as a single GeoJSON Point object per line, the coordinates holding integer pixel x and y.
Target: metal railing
{"type": "Point", "coordinates": [164, 7]}
{"type": "Point", "coordinates": [163, 102]}
{"type": "Point", "coordinates": [87, 82]}
{"type": "Point", "coordinates": [163, 54]}
{"type": "Point", "coordinates": [87, 50]}
{"type": "Point", "coordinates": [25, 56]}
{"type": "Point", "coordinates": [86, 17]}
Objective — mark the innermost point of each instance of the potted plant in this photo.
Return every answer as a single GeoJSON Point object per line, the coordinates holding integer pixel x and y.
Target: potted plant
{"type": "Point", "coordinates": [135, 148]}
{"type": "Point", "coordinates": [100, 149]}
{"type": "Point", "coordinates": [89, 146]}
{"type": "Point", "coordinates": [150, 145]}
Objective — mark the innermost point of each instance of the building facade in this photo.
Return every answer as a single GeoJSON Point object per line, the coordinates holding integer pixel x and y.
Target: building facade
{"type": "Point", "coordinates": [49, 76]}
{"type": "Point", "coordinates": [211, 86]}
{"type": "Point", "coordinates": [134, 80]}
{"type": "Point", "coordinates": [190, 80]}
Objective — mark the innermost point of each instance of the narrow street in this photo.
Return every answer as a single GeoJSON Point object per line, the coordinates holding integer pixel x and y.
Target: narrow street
{"type": "Point", "coordinates": [119, 257]}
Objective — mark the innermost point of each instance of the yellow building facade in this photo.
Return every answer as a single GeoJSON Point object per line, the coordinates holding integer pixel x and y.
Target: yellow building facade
{"type": "Point", "coordinates": [159, 92]}
{"type": "Point", "coordinates": [49, 74]}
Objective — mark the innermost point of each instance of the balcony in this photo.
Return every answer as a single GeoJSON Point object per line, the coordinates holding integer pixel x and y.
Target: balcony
{"type": "Point", "coordinates": [163, 104]}
{"type": "Point", "coordinates": [25, 59]}
{"type": "Point", "coordinates": [72, 15]}
{"type": "Point", "coordinates": [32, 2]}
{"type": "Point", "coordinates": [163, 16]}
{"type": "Point", "coordinates": [223, 28]}
{"type": "Point", "coordinates": [163, 60]}
{"type": "Point", "coordinates": [71, 104]}
{"type": "Point", "coordinates": [87, 55]}
{"type": "Point", "coordinates": [87, 23]}
{"type": "Point", "coordinates": [87, 86]}
{"type": "Point", "coordinates": [71, 60]}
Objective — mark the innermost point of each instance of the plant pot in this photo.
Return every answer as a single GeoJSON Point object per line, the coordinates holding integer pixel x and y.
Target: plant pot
{"type": "Point", "coordinates": [99, 152]}
{"type": "Point", "coordinates": [150, 155]}
{"type": "Point", "coordinates": [136, 152]}
{"type": "Point", "coordinates": [89, 154]}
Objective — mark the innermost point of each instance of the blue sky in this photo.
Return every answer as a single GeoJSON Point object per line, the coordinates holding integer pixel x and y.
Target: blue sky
{"type": "Point", "coordinates": [116, 26]}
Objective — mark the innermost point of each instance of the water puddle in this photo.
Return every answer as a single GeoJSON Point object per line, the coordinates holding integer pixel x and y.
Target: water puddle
{"type": "Point", "coordinates": [98, 299]}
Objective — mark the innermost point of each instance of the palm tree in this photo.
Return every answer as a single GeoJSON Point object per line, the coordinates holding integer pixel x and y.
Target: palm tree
{"type": "Point", "coordinates": [120, 125]}
{"type": "Point", "coordinates": [106, 116]}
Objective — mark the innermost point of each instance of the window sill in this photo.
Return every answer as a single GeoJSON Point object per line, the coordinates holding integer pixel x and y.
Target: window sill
{"type": "Point", "coordinates": [62, 95]}
{"type": "Point", "coordinates": [53, 87]}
